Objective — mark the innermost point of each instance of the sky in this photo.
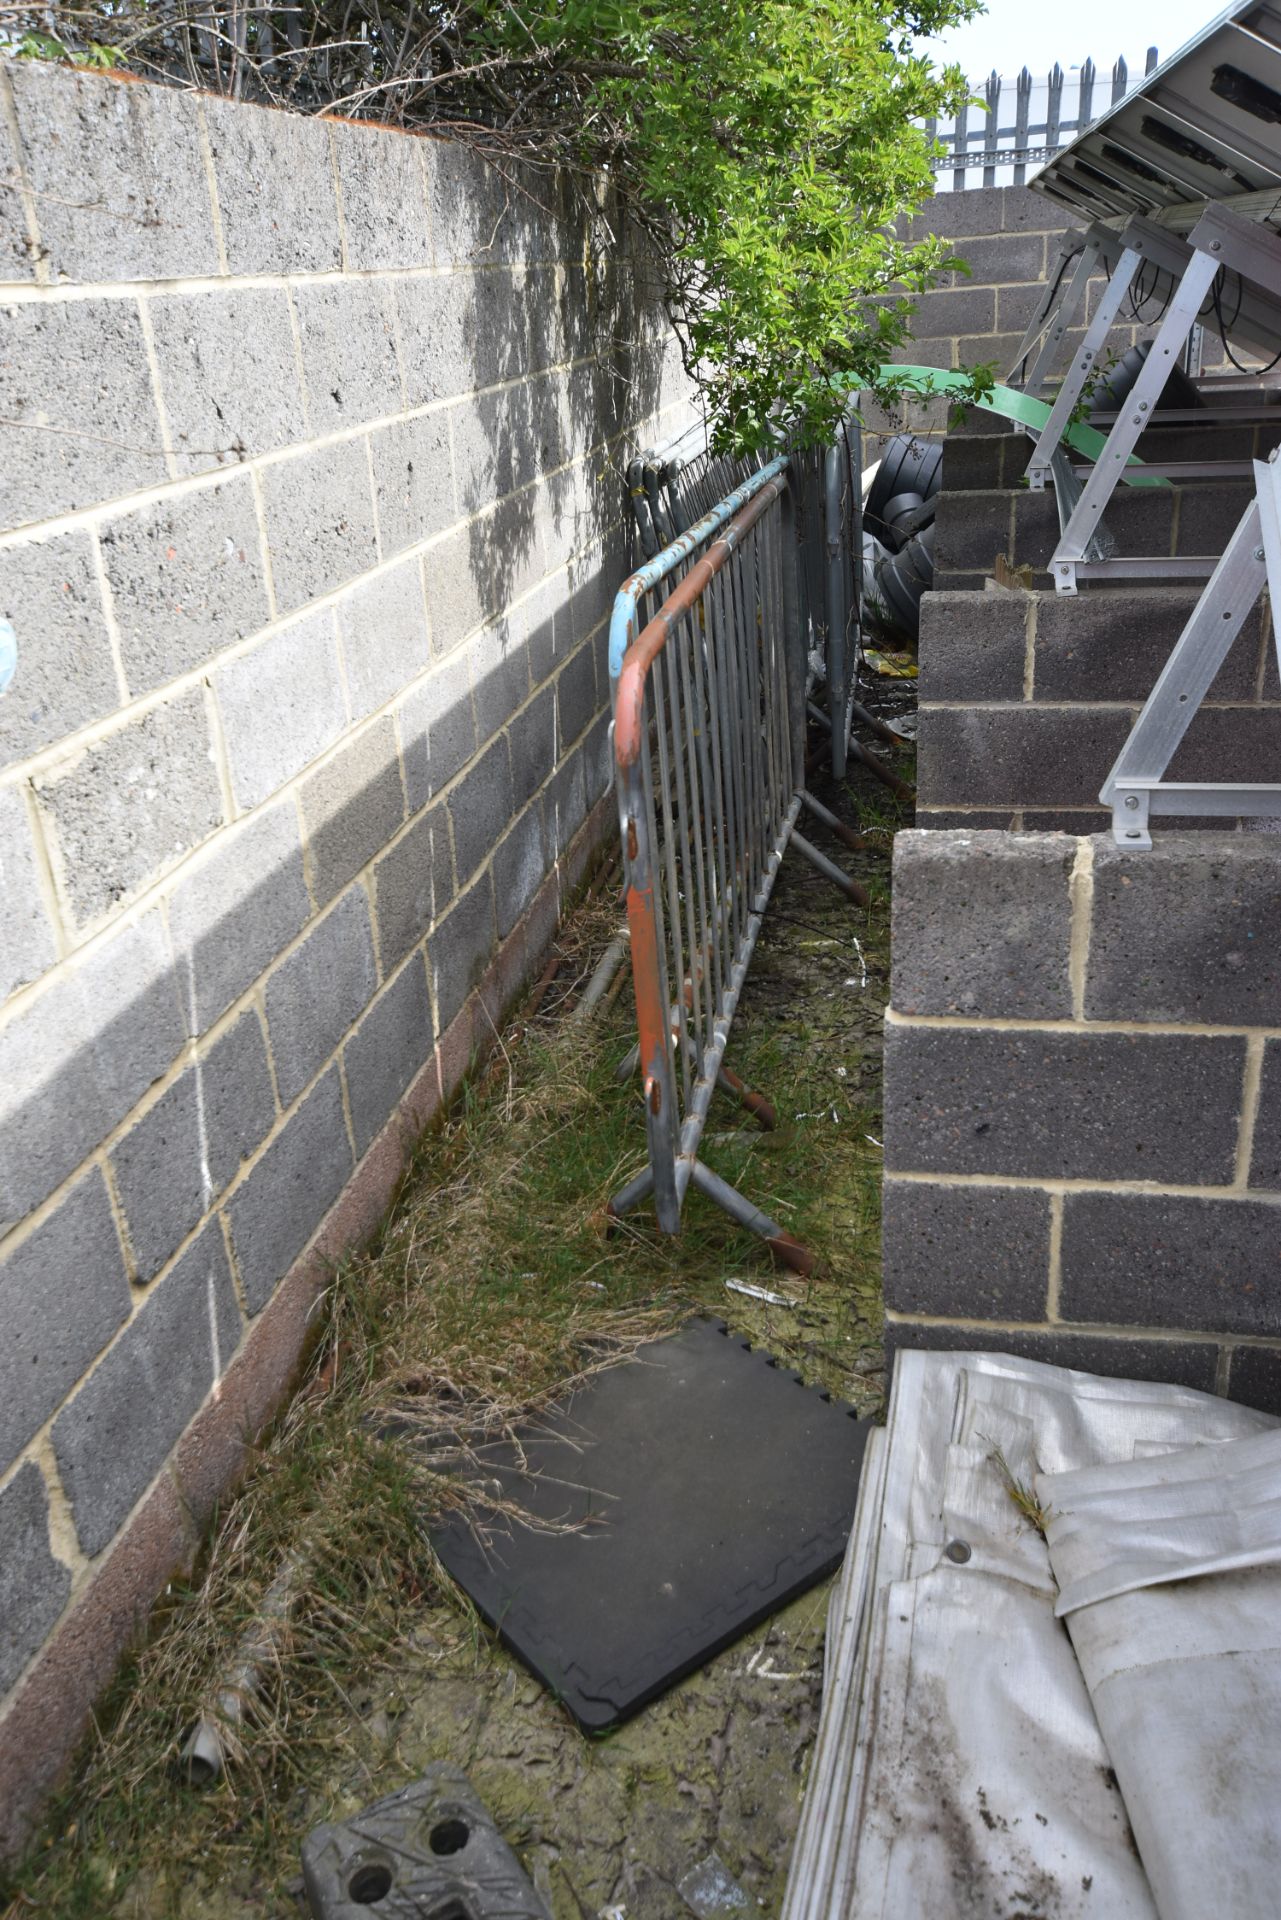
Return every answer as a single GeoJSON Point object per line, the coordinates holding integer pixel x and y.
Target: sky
{"type": "Point", "coordinates": [1014, 34]}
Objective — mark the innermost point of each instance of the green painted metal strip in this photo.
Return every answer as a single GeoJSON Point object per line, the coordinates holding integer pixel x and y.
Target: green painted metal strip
{"type": "Point", "coordinates": [1023, 410]}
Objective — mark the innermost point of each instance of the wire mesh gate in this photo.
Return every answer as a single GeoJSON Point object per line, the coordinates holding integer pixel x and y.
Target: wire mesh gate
{"type": "Point", "coordinates": [709, 733]}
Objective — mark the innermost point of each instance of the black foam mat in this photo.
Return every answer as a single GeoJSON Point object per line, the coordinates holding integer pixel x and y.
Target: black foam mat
{"type": "Point", "coordinates": [706, 1486]}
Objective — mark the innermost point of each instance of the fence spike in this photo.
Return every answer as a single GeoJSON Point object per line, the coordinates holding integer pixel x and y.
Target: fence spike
{"type": "Point", "coordinates": [1085, 102]}
{"type": "Point", "coordinates": [1151, 60]}
{"type": "Point", "coordinates": [1120, 74]}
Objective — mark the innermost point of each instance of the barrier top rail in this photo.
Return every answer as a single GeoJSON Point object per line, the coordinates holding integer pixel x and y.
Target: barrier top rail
{"type": "Point", "coordinates": [622, 623]}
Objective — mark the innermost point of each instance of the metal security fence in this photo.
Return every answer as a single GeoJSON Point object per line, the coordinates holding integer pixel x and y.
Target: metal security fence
{"type": "Point", "coordinates": [1047, 115]}
{"type": "Point", "coordinates": [709, 734]}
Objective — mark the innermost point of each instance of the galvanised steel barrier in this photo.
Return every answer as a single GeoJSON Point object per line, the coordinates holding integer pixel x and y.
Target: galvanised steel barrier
{"type": "Point", "coordinates": [673, 486]}
{"type": "Point", "coordinates": [709, 738]}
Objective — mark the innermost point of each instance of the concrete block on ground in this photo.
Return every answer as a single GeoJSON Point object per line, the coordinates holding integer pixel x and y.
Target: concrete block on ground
{"type": "Point", "coordinates": [278, 1207]}
{"type": "Point", "coordinates": [112, 1439]}
{"type": "Point", "coordinates": [413, 884]}
{"type": "Point", "coordinates": [351, 807]}
{"type": "Point", "coordinates": [1056, 1105]}
{"type": "Point", "coordinates": [975, 463]}
{"type": "Point", "coordinates": [63, 1294]}
{"type": "Point", "coordinates": [79, 1056]}
{"type": "Point", "coordinates": [1210, 515]}
{"type": "Point", "coordinates": [480, 806]}
{"type": "Point", "coordinates": [1265, 1161]}
{"type": "Point", "coordinates": [1190, 932]}
{"type": "Point", "coordinates": [383, 623]}
{"type": "Point", "coordinates": [460, 332]}
{"type": "Point", "coordinates": [499, 677]}
{"type": "Point", "coordinates": [229, 374]}
{"type": "Point", "coordinates": [75, 390]}
{"type": "Point", "coordinates": [1226, 743]}
{"type": "Point", "coordinates": [982, 924]}
{"type": "Point", "coordinates": [966, 1253]}
{"type": "Point", "coordinates": [1112, 645]}
{"type": "Point", "coordinates": [1018, 756]}
{"type": "Point", "coordinates": [26, 935]}
{"type": "Point", "coordinates": [459, 950]}
{"type": "Point", "coordinates": [1157, 1260]}
{"type": "Point", "coordinates": [234, 913]}
{"type": "Point", "coordinates": [437, 729]}
{"type": "Point", "coordinates": [127, 809]}
{"type": "Point", "coordinates": [170, 1168]}
{"type": "Point", "coordinates": [1254, 1378]}
{"type": "Point", "coordinates": [64, 676]}
{"type": "Point", "coordinates": [319, 992]}
{"type": "Point", "coordinates": [971, 529]}
{"type": "Point", "coordinates": [345, 388]}
{"type": "Point", "coordinates": [973, 646]}
{"type": "Point", "coordinates": [139, 208]}
{"type": "Point", "coordinates": [320, 521]}
{"type": "Point", "coordinates": [33, 1585]}
{"type": "Point", "coordinates": [186, 579]}
{"type": "Point", "coordinates": [282, 705]}
{"type": "Point", "coordinates": [275, 189]}
{"type": "Point", "coordinates": [384, 201]}
{"type": "Point", "coordinates": [391, 1044]}
{"type": "Point", "coordinates": [413, 480]}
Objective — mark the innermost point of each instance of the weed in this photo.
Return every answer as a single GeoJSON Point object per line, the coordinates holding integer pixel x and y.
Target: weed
{"type": "Point", "coordinates": [490, 1289]}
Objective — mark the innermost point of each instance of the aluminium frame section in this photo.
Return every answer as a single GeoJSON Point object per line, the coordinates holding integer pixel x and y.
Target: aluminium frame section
{"type": "Point", "coordinates": [1140, 243]}
{"type": "Point", "coordinates": [1220, 239]}
{"type": "Point", "coordinates": [1058, 307]}
{"type": "Point", "coordinates": [1135, 789]}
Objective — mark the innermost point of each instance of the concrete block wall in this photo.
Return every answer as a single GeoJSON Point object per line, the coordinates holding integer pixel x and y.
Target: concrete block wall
{"type": "Point", "coordinates": [1027, 698]}
{"type": "Point", "coordinates": [1083, 1104]}
{"type": "Point", "coordinates": [312, 521]}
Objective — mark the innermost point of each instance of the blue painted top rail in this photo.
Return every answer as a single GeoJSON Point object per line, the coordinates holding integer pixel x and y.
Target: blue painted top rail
{"type": "Point", "coordinates": [623, 619]}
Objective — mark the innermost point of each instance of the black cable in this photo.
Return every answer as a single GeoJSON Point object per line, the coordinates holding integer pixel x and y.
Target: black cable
{"type": "Point", "coordinates": [1216, 295]}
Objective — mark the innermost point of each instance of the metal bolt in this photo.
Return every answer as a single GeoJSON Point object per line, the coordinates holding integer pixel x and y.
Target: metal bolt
{"type": "Point", "coordinates": [1216, 246]}
{"type": "Point", "coordinates": [958, 1552]}
{"type": "Point", "coordinates": [1258, 553]}
{"type": "Point", "coordinates": [1143, 406]}
{"type": "Point", "coordinates": [1131, 801]}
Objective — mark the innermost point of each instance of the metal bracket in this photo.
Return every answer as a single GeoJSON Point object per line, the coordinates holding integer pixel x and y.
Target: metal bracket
{"type": "Point", "coordinates": [1139, 243]}
{"type": "Point", "coordinates": [1219, 239]}
{"type": "Point", "coordinates": [1135, 789]}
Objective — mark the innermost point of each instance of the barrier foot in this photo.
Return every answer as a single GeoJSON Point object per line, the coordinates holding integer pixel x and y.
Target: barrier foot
{"type": "Point", "coordinates": [789, 1252]}
{"type": "Point", "coordinates": [830, 871]}
{"type": "Point", "coordinates": [846, 835]}
{"type": "Point", "coordinates": [630, 1196]}
{"type": "Point", "coordinates": [755, 1103]}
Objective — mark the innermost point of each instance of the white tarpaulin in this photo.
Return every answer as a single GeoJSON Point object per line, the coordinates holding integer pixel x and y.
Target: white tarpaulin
{"type": "Point", "coordinates": [960, 1768]}
{"type": "Point", "coordinates": [1169, 1570]}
